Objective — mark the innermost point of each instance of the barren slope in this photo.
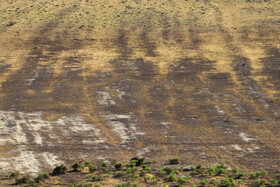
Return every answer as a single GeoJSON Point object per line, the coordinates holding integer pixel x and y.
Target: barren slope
{"type": "Point", "coordinates": [84, 80]}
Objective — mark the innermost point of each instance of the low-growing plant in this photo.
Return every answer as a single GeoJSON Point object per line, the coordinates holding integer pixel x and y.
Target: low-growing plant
{"type": "Point", "coordinates": [87, 162]}
{"type": "Point", "coordinates": [161, 172]}
{"type": "Point", "coordinates": [273, 182]}
{"type": "Point", "coordinates": [228, 182]}
{"type": "Point", "coordinates": [59, 170]}
{"type": "Point", "coordinates": [172, 176]}
{"type": "Point", "coordinates": [77, 167]}
{"type": "Point", "coordinates": [22, 180]}
{"type": "Point", "coordinates": [148, 170]}
{"type": "Point", "coordinates": [94, 177]}
{"type": "Point", "coordinates": [167, 169]}
{"type": "Point", "coordinates": [41, 177]}
{"type": "Point", "coordinates": [104, 169]}
{"type": "Point", "coordinates": [147, 178]}
{"type": "Point", "coordinates": [199, 165]}
{"type": "Point", "coordinates": [15, 174]}
{"type": "Point", "coordinates": [181, 180]}
{"type": "Point", "coordinates": [118, 174]}
{"type": "Point", "coordinates": [31, 181]}
{"type": "Point", "coordinates": [174, 160]}
{"type": "Point", "coordinates": [193, 173]}
{"type": "Point", "coordinates": [92, 168]}
{"type": "Point", "coordinates": [100, 177]}
{"type": "Point", "coordinates": [204, 182]}
{"type": "Point", "coordinates": [104, 164]}
{"type": "Point", "coordinates": [221, 171]}
{"type": "Point", "coordinates": [118, 165]}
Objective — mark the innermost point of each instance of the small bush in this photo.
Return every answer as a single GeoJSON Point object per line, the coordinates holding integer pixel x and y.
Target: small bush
{"type": "Point", "coordinates": [147, 178]}
{"type": "Point", "coordinates": [220, 171]}
{"type": "Point", "coordinates": [104, 169]}
{"type": "Point", "coordinates": [199, 166]}
{"type": "Point", "coordinates": [22, 180]}
{"type": "Point", "coordinates": [172, 176]}
{"type": "Point", "coordinates": [161, 172]}
{"type": "Point", "coordinates": [253, 175]}
{"type": "Point", "coordinates": [181, 180]}
{"type": "Point", "coordinates": [118, 165]}
{"type": "Point", "coordinates": [104, 164]}
{"type": "Point", "coordinates": [77, 167]}
{"type": "Point", "coordinates": [257, 182]}
{"type": "Point", "coordinates": [118, 174]}
{"type": "Point", "coordinates": [94, 177]}
{"type": "Point", "coordinates": [92, 168]}
{"type": "Point", "coordinates": [59, 170]}
{"type": "Point", "coordinates": [167, 169]}
{"type": "Point", "coordinates": [211, 171]}
{"type": "Point", "coordinates": [235, 170]}
{"type": "Point", "coordinates": [193, 173]}
{"type": "Point", "coordinates": [228, 182]}
{"type": "Point", "coordinates": [174, 161]}
{"type": "Point", "coordinates": [31, 181]}
{"type": "Point", "coordinates": [100, 177]}
{"type": "Point", "coordinates": [273, 182]}
{"type": "Point", "coordinates": [15, 174]}
{"type": "Point", "coordinates": [204, 182]}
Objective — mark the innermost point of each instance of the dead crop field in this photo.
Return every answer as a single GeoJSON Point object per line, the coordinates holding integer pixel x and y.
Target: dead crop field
{"type": "Point", "coordinates": [100, 80]}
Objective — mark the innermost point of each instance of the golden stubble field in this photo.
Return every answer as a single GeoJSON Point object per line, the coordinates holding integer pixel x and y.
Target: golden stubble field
{"type": "Point", "coordinates": [103, 80]}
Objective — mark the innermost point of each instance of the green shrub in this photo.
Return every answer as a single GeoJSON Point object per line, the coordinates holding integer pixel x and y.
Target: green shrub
{"type": "Point", "coordinates": [161, 172]}
{"type": "Point", "coordinates": [77, 167]}
{"type": "Point", "coordinates": [94, 177]}
{"type": "Point", "coordinates": [167, 169]}
{"type": "Point", "coordinates": [100, 177]}
{"type": "Point", "coordinates": [59, 170]}
{"type": "Point", "coordinates": [211, 171]}
{"type": "Point", "coordinates": [273, 182]}
{"type": "Point", "coordinates": [172, 176]}
{"type": "Point", "coordinates": [118, 174]}
{"type": "Point", "coordinates": [253, 175]}
{"type": "Point", "coordinates": [147, 178]}
{"type": "Point", "coordinates": [87, 162]}
{"type": "Point", "coordinates": [234, 170]}
{"type": "Point", "coordinates": [204, 182]}
{"type": "Point", "coordinates": [240, 175]}
{"type": "Point", "coordinates": [220, 171]}
{"type": "Point", "coordinates": [199, 166]}
{"type": "Point", "coordinates": [31, 181]}
{"type": "Point", "coordinates": [15, 174]}
{"type": "Point", "coordinates": [118, 165]}
{"type": "Point", "coordinates": [22, 180]}
{"type": "Point", "coordinates": [104, 169]}
{"type": "Point", "coordinates": [135, 185]}
{"type": "Point", "coordinates": [228, 182]}
{"type": "Point", "coordinates": [148, 170]}
{"type": "Point", "coordinates": [181, 180]}
{"type": "Point", "coordinates": [193, 173]}
{"type": "Point", "coordinates": [104, 164]}
{"type": "Point", "coordinates": [92, 168]}
{"type": "Point", "coordinates": [41, 177]}
{"type": "Point", "coordinates": [263, 173]}
{"type": "Point", "coordinates": [174, 160]}
{"type": "Point", "coordinates": [257, 182]}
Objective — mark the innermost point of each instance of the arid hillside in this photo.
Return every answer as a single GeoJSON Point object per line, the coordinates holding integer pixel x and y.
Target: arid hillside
{"type": "Point", "coordinates": [114, 79]}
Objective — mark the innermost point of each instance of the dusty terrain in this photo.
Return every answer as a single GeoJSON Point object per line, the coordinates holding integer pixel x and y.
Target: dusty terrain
{"type": "Point", "coordinates": [103, 80]}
